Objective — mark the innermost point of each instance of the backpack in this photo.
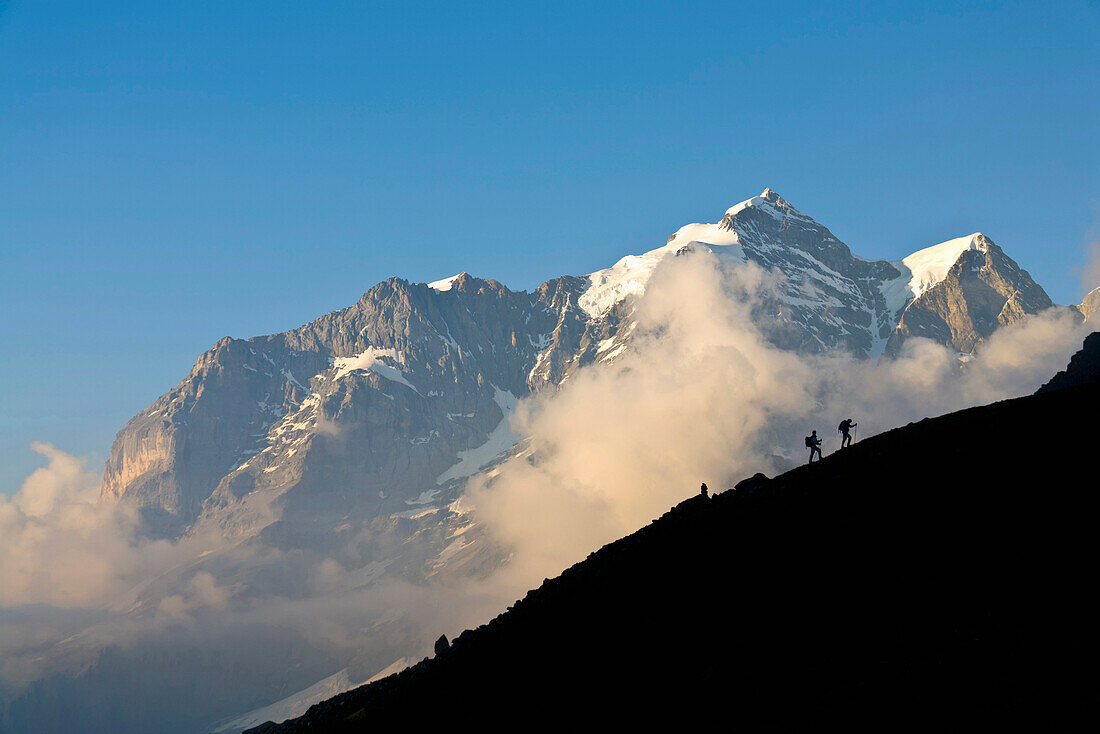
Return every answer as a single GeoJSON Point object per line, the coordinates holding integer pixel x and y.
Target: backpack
{"type": "Point", "coordinates": [842, 426]}
{"type": "Point", "coordinates": [809, 442]}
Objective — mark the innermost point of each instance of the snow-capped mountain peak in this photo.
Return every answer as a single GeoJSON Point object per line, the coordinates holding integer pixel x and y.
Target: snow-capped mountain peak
{"type": "Point", "coordinates": [764, 228]}
{"type": "Point", "coordinates": [958, 292]}
{"type": "Point", "coordinates": [768, 202]}
{"type": "Point", "coordinates": [930, 265]}
{"type": "Point", "coordinates": [629, 276]}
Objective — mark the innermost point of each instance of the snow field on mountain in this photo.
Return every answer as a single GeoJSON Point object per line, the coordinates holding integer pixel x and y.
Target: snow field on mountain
{"type": "Point", "coordinates": [629, 276]}
{"type": "Point", "coordinates": [445, 284]}
{"type": "Point", "coordinates": [296, 704]}
{"type": "Point", "coordinates": [930, 265]}
{"type": "Point", "coordinates": [370, 361]}
{"type": "Point", "coordinates": [500, 440]}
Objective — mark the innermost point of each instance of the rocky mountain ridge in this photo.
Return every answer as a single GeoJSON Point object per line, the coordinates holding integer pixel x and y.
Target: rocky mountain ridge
{"type": "Point", "coordinates": [416, 377]}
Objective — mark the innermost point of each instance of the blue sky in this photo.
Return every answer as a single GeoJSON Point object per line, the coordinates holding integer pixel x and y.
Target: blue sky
{"type": "Point", "coordinates": [174, 172]}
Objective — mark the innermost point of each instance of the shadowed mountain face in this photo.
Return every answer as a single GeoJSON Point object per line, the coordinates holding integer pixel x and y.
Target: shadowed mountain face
{"type": "Point", "coordinates": [929, 578]}
{"type": "Point", "coordinates": [1083, 367]}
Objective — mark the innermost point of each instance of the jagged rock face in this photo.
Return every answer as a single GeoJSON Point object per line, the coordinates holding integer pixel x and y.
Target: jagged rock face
{"type": "Point", "coordinates": [571, 343]}
{"type": "Point", "coordinates": [172, 454]}
{"type": "Point", "coordinates": [364, 405]}
{"type": "Point", "coordinates": [831, 299]}
{"type": "Point", "coordinates": [983, 290]}
{"type": "Point", "coordinates": [1090, 305]}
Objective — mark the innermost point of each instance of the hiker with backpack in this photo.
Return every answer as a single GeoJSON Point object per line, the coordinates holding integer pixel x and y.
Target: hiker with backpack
{"type": "Point", "coordinates": [845, 428]}
{"type": "Point", "coordinates": [814, 444]}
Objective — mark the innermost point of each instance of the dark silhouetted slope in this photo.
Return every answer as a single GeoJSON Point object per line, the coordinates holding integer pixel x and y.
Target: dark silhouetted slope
{"type": "Point", "coordinates": [937, 577]}
{"type": "Point", "coordinates": [1083, 368]}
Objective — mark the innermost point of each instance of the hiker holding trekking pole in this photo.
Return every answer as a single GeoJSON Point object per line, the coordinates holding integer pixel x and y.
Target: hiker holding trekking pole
{"type": "Point", "coordinates": [845, 428]}
{"type": "Point", "coordinates": [813, 443]}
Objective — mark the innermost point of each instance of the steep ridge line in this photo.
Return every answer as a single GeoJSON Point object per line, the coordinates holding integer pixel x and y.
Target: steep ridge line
{"type": "Point", "coordinates": [932, 576]}
{"type": "Point", "coordinates": [1083, 367]}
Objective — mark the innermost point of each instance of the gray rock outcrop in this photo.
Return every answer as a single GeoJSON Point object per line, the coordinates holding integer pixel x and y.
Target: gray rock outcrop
{"type": "Point", "coordinates": [983, 290]}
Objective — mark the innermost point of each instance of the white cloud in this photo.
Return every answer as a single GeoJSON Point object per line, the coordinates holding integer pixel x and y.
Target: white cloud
{"type": "Point", "coordinates": [59, 544]}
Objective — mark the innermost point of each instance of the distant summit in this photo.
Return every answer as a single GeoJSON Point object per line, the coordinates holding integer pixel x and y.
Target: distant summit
{"type": "Point", "coordinates": [831, 298]}
{"type": "Point", "coordinates": [768, 199]}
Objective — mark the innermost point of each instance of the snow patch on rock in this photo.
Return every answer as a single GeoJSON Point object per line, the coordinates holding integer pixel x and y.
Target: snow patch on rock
{"type": "Point", "coordinates": [293, 705]}
{"type": "Point", "coordinates": [370, 360]}
{"type": "Point", "coordinates": [501, 439]}
{"type": "Point", "coordinates": [445, 284]}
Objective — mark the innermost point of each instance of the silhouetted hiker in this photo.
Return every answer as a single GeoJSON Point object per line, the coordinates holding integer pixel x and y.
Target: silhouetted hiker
{"type": "Point", "coordinates": [814, 444]}
{"type": "Point", "coordinates": [845, 428]}
{"type": "Point", "coordinates": [703, 490]}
